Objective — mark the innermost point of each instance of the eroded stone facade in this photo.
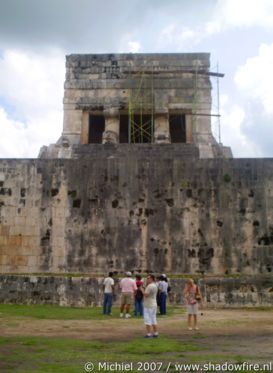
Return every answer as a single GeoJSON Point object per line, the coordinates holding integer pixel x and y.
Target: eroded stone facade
{"type": "Point", "coordinates": [137, 98]}
{"type": "Point", "coordinates": [148, 211]}
{"type": "Point", "coordinates": [105, 198]}
{"type": "Point", "coordinates": [85, 291]}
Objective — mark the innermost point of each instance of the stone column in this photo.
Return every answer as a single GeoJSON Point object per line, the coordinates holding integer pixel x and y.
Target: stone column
{"type": "Point", "coordinates": [72, 124]}
{"type": "Point", "coordinates": [85, 128]}
{"type": "Point", "coordinates": [111, 132]}
{"type": "Point", "coordinates": [188, 118]}
{"type": "Point", "coordinates": [72, 127]}
{"type": "Point", "coordinates": [162, 127]}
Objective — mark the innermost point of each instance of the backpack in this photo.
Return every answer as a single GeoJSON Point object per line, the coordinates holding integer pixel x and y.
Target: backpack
{"type": "Point", "coordinates": [139, 295]}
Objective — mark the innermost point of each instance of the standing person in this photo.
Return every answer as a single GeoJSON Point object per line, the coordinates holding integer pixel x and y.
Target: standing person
{"type": "Point", "coordinates": [128, 288]}
{"type": "Point", "coordinates": [168, 282]}
{"type": "Point", "coordinates": [162, 294]}
{"type": "Point", "coordinates": [108, 291]}
{"type": "Point", "coordinates": [192, 293]}
{"type": "Point", "coordinates": [139, 296]}
{"type": "Point", "coordinates": [150, 307]}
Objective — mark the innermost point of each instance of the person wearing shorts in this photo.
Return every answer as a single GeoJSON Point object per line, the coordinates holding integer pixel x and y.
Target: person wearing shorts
{"type": "Point", "coordinates": [190, 292]}
{"type": "Point", "coordinates": [128, 288]}
{"type": "Point", "coordinates": [150, 307]}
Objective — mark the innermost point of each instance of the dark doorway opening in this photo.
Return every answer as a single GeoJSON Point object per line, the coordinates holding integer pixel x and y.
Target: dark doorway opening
{"type": "Point", "coordinates": [124, 129]}
{"type": "Point", "coordinates": [177, 128]}
{"type": "Point", "coordinates": [136, 129]}
{"type": "Point", "coordinates": [96, 128]}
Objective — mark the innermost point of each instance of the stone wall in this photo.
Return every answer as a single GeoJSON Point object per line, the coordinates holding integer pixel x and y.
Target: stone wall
{"type": "Point", "coordinates": [107, 82]}
{"type": "Point", "coordinates": [136, 210]}
{"type": "Point", "coordinates": [84, 291]}
{"type": "Point", "coordinates": [116, 86]}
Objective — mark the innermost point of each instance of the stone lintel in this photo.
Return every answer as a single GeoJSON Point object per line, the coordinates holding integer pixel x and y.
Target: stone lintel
{"type": "Point", "coordinates": [111, 112]}
{"type": "Point", "coordinates": [180, 106]}
{"type": "Point", "coordinates": [161, 111]}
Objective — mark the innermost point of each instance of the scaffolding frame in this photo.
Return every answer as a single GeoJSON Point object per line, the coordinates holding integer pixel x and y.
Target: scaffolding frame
{"type": "Point", "coordinates": [142, 100]}
{"type": "Point", "coordinates": [141, 106]}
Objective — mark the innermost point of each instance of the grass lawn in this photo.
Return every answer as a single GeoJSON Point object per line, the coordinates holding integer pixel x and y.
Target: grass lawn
{"type": "Point", "coordinates": [41, 354]}
{"type": "Point", "coordinates": [75, 340]}
{"type": "Point", "coordinates": [63, 313]}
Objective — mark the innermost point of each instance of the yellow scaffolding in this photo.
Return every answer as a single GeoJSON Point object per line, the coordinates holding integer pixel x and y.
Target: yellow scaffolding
{"type": "Point", "coordinates": [141, 105]}
{"type": "Point", "coordinates": [141, 108]}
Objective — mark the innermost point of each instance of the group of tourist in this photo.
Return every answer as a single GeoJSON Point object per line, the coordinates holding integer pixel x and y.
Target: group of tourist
{"type": "Point", "coordinates": [147, 298]}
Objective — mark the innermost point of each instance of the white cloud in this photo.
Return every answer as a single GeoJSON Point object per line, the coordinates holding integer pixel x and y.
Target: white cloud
{"type": "Point", "coordinates": [20, 140]}
{"type": "Point", "coordinates": [177, 37]}
{"type": "Point", "coordinates": [233, 131]}
{"type": "Point", "coordinates": [245, 13]}
{"type": "Point", "coordinates": [134, 46]}
{"type": "Point", "coordinates": [33, 84]}
{"type": "Point", "coordinates": [248, 125]}
{"type": "Point", "coordinates": [226, 14]}
{"type": "Point", "coordinates": [128, 44]}
{"type": "Point", "coordinates": [29, 80]}
{"type": "Point", "coordinates": [255, 77]}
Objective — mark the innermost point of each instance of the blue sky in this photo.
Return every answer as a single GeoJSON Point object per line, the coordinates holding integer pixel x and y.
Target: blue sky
{"type": "Point", "coordinates": [36, 35]}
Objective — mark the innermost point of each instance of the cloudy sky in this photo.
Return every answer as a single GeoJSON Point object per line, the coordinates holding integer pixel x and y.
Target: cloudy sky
{"type": "Point", "coordinates": [35, 36]}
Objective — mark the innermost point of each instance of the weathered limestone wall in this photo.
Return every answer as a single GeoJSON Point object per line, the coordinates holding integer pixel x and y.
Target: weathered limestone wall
{"type": "Point", "coordinates": [159, 85]}
{"type": "Point", "coordinates": [136, 208]}
{"type": "Point", "coordinates": [83, 291]}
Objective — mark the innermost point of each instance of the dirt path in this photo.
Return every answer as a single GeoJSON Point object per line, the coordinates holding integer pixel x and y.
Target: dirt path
{"type": "Point", "coordinates": [221, 331]}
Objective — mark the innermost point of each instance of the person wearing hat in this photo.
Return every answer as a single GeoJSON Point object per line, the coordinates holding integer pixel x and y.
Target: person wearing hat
{"type": "Point", "coordinates": [128, 288]}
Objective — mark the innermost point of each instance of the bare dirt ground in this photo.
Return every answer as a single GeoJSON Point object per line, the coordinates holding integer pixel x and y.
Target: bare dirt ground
{"type": "Point", "coordinates": [234, 332]}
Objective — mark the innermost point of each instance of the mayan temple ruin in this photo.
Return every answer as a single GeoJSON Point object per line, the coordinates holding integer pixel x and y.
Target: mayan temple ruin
{"type": "Point", "coordinates": [136, 182]}
{"type": "Point", "coordinates": [132, 99]}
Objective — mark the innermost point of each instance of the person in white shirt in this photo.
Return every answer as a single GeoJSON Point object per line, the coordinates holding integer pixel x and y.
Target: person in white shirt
{"type": "Point", "coordinates": [108, 284]}
{"type": "Point", "coordinates": [150, 307]}
{"type": "Point", "coordinates": [163, 291]}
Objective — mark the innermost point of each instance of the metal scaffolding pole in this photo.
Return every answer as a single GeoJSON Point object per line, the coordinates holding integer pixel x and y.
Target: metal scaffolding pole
{"type": "Point", "coordinates": [141, 108]}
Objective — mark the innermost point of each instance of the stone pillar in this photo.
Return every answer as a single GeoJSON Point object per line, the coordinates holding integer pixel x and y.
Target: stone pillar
{"type": "Point", "coordinates": [162, 128]}
{"type": "Point", "coordinates": [72, 127]}
{"type": "Point", "coordinates": [188, 118]}
{"type": "Point", "coordinates": [111, 132]}
{"type": "Point", "coordinates": [85, 128]}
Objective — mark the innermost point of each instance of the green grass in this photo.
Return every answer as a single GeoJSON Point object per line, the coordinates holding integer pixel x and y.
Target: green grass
{"type": "Point", "coordinates": [66, 313]}
{"type": "Point", "coordinates": [67, 355]}
{"type": "Point", "coordinates": [61, 355]}
{"type": "Point", "coordinates": [155, 347]}
{"type": "Point", "coordinates": [50, 312]}
{"type": "Point", "coordinates": [42, 354]}
{"type": "Point", "coordinates": [36, 354]}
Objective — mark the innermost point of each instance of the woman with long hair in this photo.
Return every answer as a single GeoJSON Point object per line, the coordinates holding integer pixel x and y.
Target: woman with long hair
{"type": "Point", "coordinates": [192, 296]}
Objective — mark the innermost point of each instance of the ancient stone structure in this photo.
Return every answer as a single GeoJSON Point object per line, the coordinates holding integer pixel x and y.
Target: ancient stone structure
{"type": "Point", "coordinates": [144, 211]}
{"type": "Point", "coordinates": [82, 291]}
{"type": "Point", "coordinates": [137, 98]}
{"type": "Point", "coordinates": [122, 191]}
